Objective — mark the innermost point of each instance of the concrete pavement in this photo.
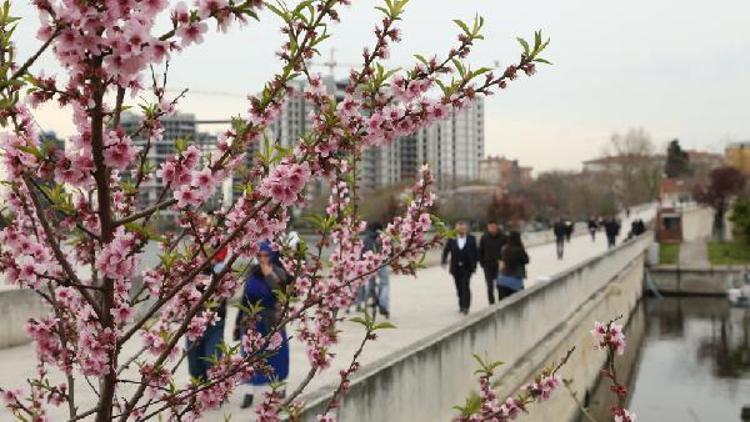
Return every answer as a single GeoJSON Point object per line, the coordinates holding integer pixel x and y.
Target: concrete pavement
{"type": "Point", "coordinates": [694, 254]}
{"type": "Point", "coordinates": [420, 307]}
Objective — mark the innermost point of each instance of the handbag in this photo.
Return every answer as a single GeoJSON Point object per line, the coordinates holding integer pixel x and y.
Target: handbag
{"type": "Point", "coordinates": [510, 282]}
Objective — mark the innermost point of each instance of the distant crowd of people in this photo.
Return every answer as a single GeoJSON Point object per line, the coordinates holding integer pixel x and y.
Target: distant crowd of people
{"type": "Point", "coordinates": [503, 257]}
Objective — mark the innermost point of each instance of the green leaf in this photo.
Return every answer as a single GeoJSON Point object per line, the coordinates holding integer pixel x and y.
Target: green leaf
{"type": "Point", "coordinates": [180, 144]}
{"type": "Point", "coordinates": [459, 67]}
{"type": "Point", "coordinates": [385, 325]}
{"type": "Point", "coordinates": [283, 14]}
{"type": "Point", "coordinates": [471, 406]}
{"type": "Point", "coordinates": [524, 44]}
{"type": "Point", "coordinates": [463, 26]}
{"type": "Point", "coordinates": [365, 321]}
{"type": "Point", "coordinates": [480, 71]}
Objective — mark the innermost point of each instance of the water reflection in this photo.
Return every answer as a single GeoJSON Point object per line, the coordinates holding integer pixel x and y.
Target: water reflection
{"type": "Point", "coordinates": [688, 359]}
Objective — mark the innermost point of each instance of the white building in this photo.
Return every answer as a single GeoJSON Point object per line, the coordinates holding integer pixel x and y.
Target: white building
{"type": "Point", "coordinates": [455, 146]}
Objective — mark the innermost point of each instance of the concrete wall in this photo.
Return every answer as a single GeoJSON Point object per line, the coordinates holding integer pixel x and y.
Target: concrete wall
{"type": "Point", "coordinates": [16, 307]}
{"type": "Point", "coordinates": [697, 223]}
{"type": "Point", "coordinates": [528, 331]}
{"type": "Point", "coordinates": [675, 280]}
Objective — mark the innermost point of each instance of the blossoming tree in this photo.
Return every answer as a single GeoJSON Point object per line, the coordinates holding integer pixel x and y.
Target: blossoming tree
{"type": "Point", "coordinates": [77, 230]}
{"type": "Point", "coordinates": [487, 406]}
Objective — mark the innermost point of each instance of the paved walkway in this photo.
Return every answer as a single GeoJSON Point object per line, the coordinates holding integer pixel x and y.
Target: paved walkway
{"type": "Point", "coordinates": [694, 253]}
{"type": "Point", "coordinates": [420, 307]}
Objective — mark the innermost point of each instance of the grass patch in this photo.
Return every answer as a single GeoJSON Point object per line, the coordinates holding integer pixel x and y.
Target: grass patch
{"type": "Point", "coordinates": [729, 253]}
{"type": "Point", "coordinates": [669, 253]}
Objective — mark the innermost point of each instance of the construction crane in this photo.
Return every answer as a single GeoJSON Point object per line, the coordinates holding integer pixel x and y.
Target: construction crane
{"type": "Point", "coordinates": [332, 64]}
{"type": "Point", "coordinates": [209, 93]}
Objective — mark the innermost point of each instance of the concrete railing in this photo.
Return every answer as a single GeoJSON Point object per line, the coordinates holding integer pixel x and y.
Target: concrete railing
{"type": "Point", "coordinates": [527, 331]}
{"type": "Point", "coordinates": [16, 307]}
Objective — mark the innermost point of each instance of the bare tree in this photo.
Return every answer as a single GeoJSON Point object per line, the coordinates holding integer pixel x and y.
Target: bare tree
{"type": "Point", "coordinates": [637, 171]}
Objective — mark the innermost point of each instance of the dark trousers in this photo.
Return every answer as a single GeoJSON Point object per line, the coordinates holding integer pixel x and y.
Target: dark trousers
{"type": "Point", "coordinates": [611, 241]}
{"type": "Point", "coordinates": [560, 242]}
{"type": "Point", "coordinates": [463, 290]}
{"type": "Point", "coordinates": [504, 292]}
{"type": "Point", "coordinates": [490, 276]}
{"type": "Point", "coordinates": [200, 351]}
{"type": "Point", "coordinates": [593, 235]}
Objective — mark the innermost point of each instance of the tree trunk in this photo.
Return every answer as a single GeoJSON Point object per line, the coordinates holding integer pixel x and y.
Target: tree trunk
{"type": "Point", "coordinates": [719, 223]}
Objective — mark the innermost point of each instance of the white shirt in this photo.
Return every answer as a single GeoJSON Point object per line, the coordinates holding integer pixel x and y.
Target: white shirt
{"type": "Point", "coordinates": [461, 242]}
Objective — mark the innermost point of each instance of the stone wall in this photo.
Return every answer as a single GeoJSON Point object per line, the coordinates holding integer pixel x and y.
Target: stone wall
{"type": "Point", "coordinates": [676, 280]}
{"type": "Point", "coordinates": [528, 331]}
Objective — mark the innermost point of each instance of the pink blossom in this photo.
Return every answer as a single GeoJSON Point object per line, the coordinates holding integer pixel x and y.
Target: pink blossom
{"type": "Point", "coordinates": [192, 33]}
{"type": "Point", "coordinates": [119, 152]}
{"type": "Point", "coordinates": [609, 336]}
{"type": "Point", "coordinates": [624, 415]}
{"type": "Point", "coordinates": [11, 396]}
{"type": "Point", "coordinates": [208, 7]}
{"type": "Point", "coordinates": [285, 183]}
{"type": "Point", "coordinates": [123, 313]}
{"type": "Point", "coordinates": [115, 260]}
{"type": "Point", "coordinates": [188, 196]}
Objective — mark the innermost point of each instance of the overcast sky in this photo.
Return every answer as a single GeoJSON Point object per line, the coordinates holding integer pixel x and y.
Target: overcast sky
{"type": "Point", "coordinates": [678, 68]}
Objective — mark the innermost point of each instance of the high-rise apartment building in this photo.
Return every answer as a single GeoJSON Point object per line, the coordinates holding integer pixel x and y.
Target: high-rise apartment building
{"type": "Point", "coordinates": [177, 126]}
{"type": "Point", "coordinates": [452, 147]}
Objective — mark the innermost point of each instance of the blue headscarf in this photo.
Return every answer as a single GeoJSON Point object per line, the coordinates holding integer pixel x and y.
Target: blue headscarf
{"type": "Point", "coordinates": [265, 246]}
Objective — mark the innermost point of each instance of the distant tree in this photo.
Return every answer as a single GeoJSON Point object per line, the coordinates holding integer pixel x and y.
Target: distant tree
{"type": "Point", "coordinates": [393, 208]}
{"type": "Point", "coordinates": [382, 204]}
{"type": "Point", "coordinates": [740, 217]}
{"type": "Point", "coordinates": [635, 142]}
{"type": "Point", "coordinates": [724, 183]}
{"type": "Point", "coordinates": [508, 208]}
{"type": "Point", "coordinates": [571, 194]}
{"type": "Point", "coordinates": [678, 161]}
{"type": "Point", "coordinates": [637, 174]}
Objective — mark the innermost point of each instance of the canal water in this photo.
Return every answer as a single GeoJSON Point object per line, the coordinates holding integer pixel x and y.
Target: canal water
{"type": "Point", "coordinates": [688, 359]}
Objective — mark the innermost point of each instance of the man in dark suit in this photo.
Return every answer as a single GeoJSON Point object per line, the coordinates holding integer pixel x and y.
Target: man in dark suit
{"type": "Point", "coordinates": [463, 252]}
{"type": "Point", "coordinates": [490, 247]}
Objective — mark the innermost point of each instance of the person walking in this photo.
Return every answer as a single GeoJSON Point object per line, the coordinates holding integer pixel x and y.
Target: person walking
{"type": "Point", "coordinates": [593, 227]}
{"type": "Point", "coordinates": [490, 253]}
{"type": "Point", "coordinates": [640, 227]}
{"type": "Point", "coordinates": [264, 280]}
{"type": "Point", "coordinates": [612, 230]}
{"type": "Point", "coordinates": [200, 350]}
{"type": "Point", "coordinates": [559, 230]}
{"type": "Point", "coordinates": [463, 252]}
{"type": "Point", "coordinates": [515, 260]}
{"type": "Point", "coordinates": [569, 227]}
{"type": "Point", "coordinates": [380, 290]}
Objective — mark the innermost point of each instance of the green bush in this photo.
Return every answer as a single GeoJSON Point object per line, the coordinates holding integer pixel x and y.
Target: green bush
{"type": "Point", "coordinates": [740, 217]}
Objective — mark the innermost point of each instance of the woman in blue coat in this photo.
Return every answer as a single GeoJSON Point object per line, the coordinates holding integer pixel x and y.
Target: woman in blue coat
{"type": "Point", "coordinates": [264, 278]}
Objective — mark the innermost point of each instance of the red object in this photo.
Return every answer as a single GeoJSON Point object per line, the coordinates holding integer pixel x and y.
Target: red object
{"type": "Point", "coordinates": [221, 255]}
